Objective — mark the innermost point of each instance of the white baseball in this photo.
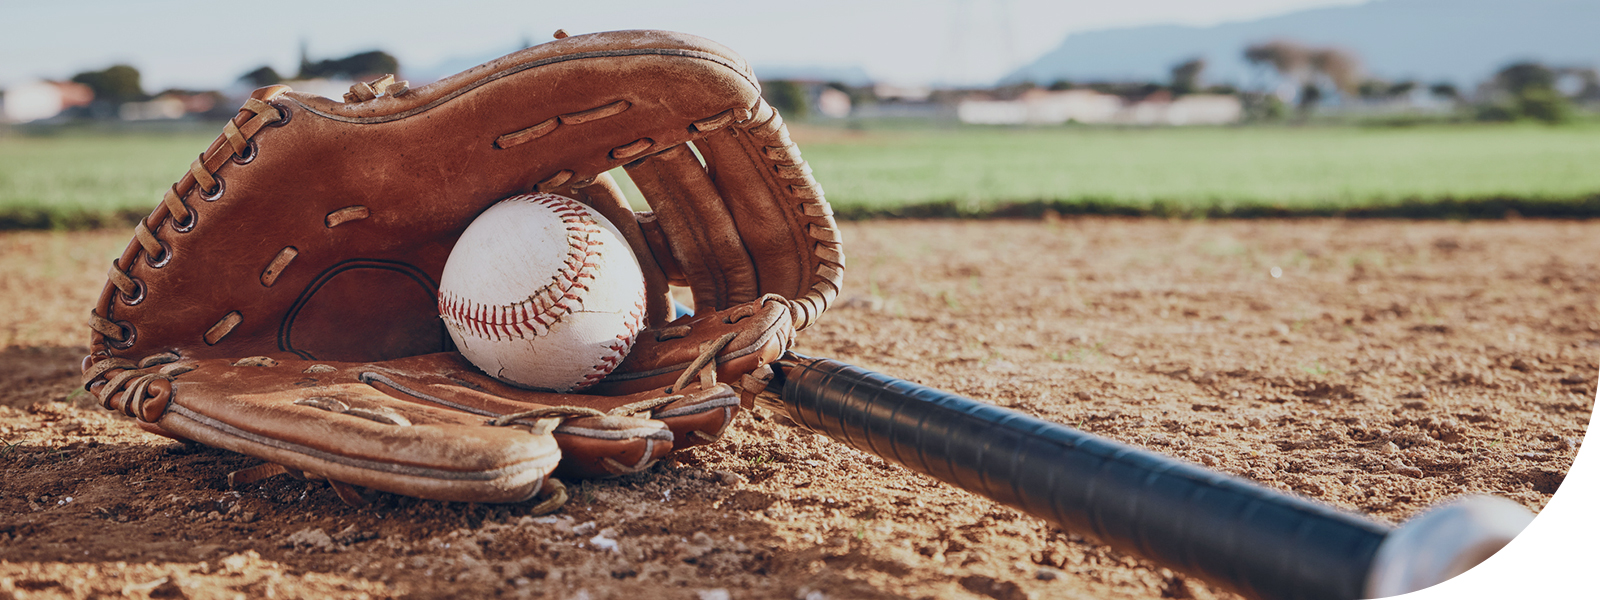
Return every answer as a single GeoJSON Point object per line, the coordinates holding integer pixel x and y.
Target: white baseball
{"type": "Point", "coordinates": [542, 292]}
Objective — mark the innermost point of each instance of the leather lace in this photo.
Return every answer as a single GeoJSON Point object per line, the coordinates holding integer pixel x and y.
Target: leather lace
{"type": "Point", "coordinates": [234, 144]}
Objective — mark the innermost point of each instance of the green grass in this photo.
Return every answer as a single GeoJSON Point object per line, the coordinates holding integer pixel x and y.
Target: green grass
{"type": "Point", "coordinates": [1226, 168]}
{"type": "Point", "coordinates": [67, 179]}
{"type": "Point", "coordinates": [84, 178]}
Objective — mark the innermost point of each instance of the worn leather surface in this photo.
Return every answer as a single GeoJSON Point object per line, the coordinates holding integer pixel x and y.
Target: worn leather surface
{"type": "Point", "coordinates": [323, 242]}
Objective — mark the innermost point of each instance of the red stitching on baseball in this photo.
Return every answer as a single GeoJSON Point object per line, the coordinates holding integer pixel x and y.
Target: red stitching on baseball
{"type": "Point", "coordinates": [546, 306]}
{"type": "Point", "coordinates": [619, 350]}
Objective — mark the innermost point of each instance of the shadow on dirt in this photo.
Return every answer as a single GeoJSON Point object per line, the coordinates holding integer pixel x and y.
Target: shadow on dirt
{"type": "Point", "coordinates": [39, 374]}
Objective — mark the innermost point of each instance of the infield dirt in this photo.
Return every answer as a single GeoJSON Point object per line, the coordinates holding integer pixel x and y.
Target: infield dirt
{"type": "Point", "coordinates": [1378, 366]}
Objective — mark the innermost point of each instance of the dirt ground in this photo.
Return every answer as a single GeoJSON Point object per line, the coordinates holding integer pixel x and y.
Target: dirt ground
{"type": "Point", "coordinates": [1378, 366]}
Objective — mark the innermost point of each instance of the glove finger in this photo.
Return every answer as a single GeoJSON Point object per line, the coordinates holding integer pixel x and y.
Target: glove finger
{"type": "Point", "coordinates": [776, 215]}
{"type": "Point", "coordinates": [325, 421]}
{"type": "Point", "coordinates": [760, 171]}
{"type": "Point", "coordinates": [698, 229]}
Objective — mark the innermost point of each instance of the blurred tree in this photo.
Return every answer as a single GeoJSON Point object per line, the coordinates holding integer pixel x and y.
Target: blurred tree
{"type": "Point", "coordinates": [356, 66]}
{"type": "Point", "coordinates": [1061, 85]}
{"type": "Point", "coordinates": [789, 97]}
{"type": "Point", "coordinates": [1310, 95]}
{"type": "Point", "coordinates": [1373, 89]}
{"type": "Point", "coordinates": [114, 85]}
{"type": "Point", "coordinates": [1309, 69]}
{"type": "Point", "coordinates": [1340, 67]}
{"type": "Point", "coordinates": [1129, 90]}
{"type": "Point", "coordinates": [1261, 107]}
{"type": "Point", "coordinates": [1532, 90]}
{"type": "Point", "coordinates": [261, 77]}
{"type": "Point", "coordinates": [1523, 76]}
{"type": "Point", "coordinates": [1544, 104]}
{"type": "Point", "coordinates": [1378, 89]}
{"type": "Point", "coordinates": [1186, 76]}
{"type": "Point", "coordinates": [1287, 57]}
{"type": "Point", "coordinates": [1496, 113]}
{"type": "Point", "coordinates": [1445, 89]}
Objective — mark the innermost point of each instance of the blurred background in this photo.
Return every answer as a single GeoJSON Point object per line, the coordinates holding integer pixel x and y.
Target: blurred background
{"type": "Point", "coordinates": [1419, 108]}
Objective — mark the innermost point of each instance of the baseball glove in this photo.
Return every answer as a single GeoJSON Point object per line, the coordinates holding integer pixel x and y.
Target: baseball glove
{"type": "Point", "coordinates": [281, 300]}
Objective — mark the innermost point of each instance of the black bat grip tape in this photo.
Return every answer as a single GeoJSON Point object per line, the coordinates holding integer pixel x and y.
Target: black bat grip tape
{"type": "Point", "coordinates": [1258, 542]}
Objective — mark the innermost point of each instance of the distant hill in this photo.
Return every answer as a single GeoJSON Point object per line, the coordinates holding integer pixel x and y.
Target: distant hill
{"type": "Point", "coordinates": [1461, 41]}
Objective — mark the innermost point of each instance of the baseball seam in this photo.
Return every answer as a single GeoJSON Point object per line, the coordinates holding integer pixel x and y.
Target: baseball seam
{"type": "Point", "coordinates": [617, 350]}
{"type": "Point", "coordinates": [541, 310]}
{"type": "Point", "coordinates": [546, 306]}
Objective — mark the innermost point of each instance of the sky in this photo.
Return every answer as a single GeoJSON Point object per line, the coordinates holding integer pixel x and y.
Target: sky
{"type": "Point", "coordinates": [207, 45]}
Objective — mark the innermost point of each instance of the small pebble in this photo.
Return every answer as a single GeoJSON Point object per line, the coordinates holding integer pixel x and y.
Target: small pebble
{"type": "Point", "coordinates": [604, 543]}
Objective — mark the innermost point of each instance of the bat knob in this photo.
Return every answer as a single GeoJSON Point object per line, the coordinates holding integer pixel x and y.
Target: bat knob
{"type": "Point", "coordinates": [1443, 542]}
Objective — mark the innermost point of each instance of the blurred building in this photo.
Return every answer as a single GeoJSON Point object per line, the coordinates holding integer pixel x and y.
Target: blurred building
{"type": "Point", "coordinates": [178, 104]}
{"type": "Point", "coordinates": [1192, 109]}
{"type": "Point", "coordinates": [35, 100]}
{"type": "Point", "coordinates": [833, 102]}
{"type": "Point", "coordinates": [159, 108]}
{"type": "Point", "coordinates": [1043, 107]}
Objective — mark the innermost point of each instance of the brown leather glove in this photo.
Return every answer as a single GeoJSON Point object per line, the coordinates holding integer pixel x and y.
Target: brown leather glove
{"type": "Point", "coordinates": [281, 300]}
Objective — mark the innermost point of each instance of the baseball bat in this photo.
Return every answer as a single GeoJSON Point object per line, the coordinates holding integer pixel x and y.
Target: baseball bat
{"type": "Point", "coordinates": [1258, 542]}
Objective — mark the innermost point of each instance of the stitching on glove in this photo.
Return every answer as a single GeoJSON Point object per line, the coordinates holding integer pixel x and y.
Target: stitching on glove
{"type": "Point", "coordinates": [772, 144]}
{"type": "Point", "coordinates": [628, 410]}
{"type": "Point", "coordinates": [280, 262]}
{"type": "Point", "coordinates": [545, 412]}
{"type": "Point", "coordinates": [233, 144]}
{"type": "Point", "coordinates": [369, 377]}
{"type": "Point", "coordinates": [707, 356]}
{"type": "Point", "coordinates": [346, 215]}
{"type": "Point", "coordinates": [498, 420]}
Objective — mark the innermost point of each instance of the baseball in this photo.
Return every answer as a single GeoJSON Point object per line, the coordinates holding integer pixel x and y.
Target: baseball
{"type": "Point", "coordinates": [542, 292]}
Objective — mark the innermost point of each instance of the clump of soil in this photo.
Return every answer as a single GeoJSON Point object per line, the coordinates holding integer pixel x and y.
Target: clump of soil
{"type": "Point", "coordinates": [1378, 366]}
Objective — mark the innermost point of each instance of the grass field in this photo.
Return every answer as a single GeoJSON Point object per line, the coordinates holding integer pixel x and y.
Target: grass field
{"type": "Point", "coordinates": [76, 179]}
{"type": "Point", "coordinates": [1227, 167]}
{"type": "Point", "coordinates": [73, 179]}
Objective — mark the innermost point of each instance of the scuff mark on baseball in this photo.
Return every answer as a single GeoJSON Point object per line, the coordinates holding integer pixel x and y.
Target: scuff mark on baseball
{"type": "Point", "coordinates": [542, 292]}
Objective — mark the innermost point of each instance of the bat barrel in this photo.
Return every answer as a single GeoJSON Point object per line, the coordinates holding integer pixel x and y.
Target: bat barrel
{"type": "Point", "coordinates": [1258, 542]}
